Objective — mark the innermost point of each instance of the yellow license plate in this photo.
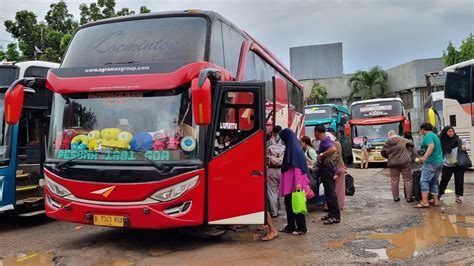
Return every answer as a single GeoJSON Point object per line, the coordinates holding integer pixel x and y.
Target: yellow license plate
{"type": "Point", "coordinates": [379, 158]}
{"type": "Point", "coordinates": [109, 220]}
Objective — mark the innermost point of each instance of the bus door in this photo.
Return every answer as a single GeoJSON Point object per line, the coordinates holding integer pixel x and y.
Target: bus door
{"type": "Point", "coordinates": [236, 171]}
{"type": "Point", "coordinates": [8, 166]}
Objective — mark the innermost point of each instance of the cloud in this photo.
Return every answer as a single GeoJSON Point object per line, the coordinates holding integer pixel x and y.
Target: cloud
{"type": "Point", "coordinates": [373, 32]}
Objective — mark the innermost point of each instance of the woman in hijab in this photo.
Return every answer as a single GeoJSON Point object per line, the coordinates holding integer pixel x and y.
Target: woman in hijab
{"type": "Point", "coordinates": [450, 143]}
{"type": "Point", "coordinates": [294, 177]}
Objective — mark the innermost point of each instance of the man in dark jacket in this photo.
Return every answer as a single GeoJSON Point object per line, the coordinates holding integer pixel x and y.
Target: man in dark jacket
{"type": "Point", "coordinates": [398, 151]}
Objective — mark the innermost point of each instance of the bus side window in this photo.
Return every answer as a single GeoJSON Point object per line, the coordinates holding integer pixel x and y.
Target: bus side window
{"type": "Point", "coordinates": [217, 47]}
{"type": "Point", "coordinates": [232, 45]}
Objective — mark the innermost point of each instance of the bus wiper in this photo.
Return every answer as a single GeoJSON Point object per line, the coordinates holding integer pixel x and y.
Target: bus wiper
{"type": "Point", "coordinates": [159, 166]}
{"type": "Point", "coordinates": [122, 63]}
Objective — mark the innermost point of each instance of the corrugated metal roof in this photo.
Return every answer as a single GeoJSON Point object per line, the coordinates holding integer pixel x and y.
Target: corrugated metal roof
{"type": "Point", "coordinates": [316, 61]}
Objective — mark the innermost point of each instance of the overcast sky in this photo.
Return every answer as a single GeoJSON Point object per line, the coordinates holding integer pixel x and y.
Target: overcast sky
{"type": "Point", "coordinates": [385, 33]}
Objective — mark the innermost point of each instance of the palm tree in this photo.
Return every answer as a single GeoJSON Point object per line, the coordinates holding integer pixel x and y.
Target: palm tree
{"type": "Point", "coordinates": [318, 94]}
{"type": "Point", "coordinates": [369, 84]}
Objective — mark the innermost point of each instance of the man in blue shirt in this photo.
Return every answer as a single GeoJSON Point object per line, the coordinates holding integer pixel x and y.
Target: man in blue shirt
{"type": "Point", "coordinates": [432, 161]}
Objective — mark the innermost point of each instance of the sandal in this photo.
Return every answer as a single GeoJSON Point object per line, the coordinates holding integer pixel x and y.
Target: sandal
{"type": "Point", "coordinates": [286, 230]}
{"type": "Point", "coordinates": [421, 205]}
{"type": "Point", "coordinates": [332, 221]}
{"type": "Point", "coordinates": [325, 218]}
{"type": "Point", "coordinates": [458, 200]}
{"type": "Point", "coordinates": [298, 233]}
{"type": "Point", "coordinates": [269, 236]}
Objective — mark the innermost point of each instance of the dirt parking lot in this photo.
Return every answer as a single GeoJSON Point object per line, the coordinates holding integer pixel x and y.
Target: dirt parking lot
{"type": "Point", "coordinates": [374, 229]}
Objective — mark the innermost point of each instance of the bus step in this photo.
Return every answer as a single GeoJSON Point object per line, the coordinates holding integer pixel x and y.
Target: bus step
{"type": "Point", "coordinates": [30, 214]}
{"type": "Point", "coordinates": [22, 175]}
{"type": "Point", "coordinates": [26, 188]}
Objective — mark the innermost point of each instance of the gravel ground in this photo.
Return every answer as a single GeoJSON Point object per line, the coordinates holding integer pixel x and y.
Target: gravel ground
{"type": "Point", "coordinates": [374, 229]}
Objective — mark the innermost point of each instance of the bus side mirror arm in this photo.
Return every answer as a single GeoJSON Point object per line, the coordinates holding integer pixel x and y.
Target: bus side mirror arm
{"type": "Point", "coordinates": [208, 72]}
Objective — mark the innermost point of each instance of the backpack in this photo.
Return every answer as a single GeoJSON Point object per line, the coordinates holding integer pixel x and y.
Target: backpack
{"type": "Point", "coordinates": [350, 188]}
{"type": "Point", "coordinates": [276, 151]}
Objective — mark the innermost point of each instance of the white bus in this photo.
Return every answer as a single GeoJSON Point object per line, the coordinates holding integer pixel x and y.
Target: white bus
{"type": "Point", "coordinates": [458, 109]}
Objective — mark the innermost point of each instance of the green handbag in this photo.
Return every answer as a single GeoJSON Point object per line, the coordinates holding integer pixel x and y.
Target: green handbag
{"type": "Point", "coordinates": [298, 202]}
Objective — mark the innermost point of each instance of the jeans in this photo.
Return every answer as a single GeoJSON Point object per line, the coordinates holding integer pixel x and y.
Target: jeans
{"type": "Point", "coordinates": [429, 177]}
{"type": "Point", "coordinates": [327, 177]}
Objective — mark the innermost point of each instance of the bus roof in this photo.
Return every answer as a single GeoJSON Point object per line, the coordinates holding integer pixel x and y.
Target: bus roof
{"type": "Point", "coordinates": [337, 106]}
{"type": "Point", "coordinates": [38, 63]}
{"type": "Point", "coordinates": [459, 65]}
{"type": "Point", "coordinates": [212, 16]}
{"type": "Point", "coordinates": [377, 100]}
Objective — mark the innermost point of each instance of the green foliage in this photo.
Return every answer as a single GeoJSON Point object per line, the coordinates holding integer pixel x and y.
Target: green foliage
{"type": "Point", "coordinates": [318, 94]}
{"type": "Point", "coordinates": [368, 84]}
{"type": "Point", "coordinates": [453, 56]}
{"type": "Point", "coordinates": [12, 53]}
{"type": "Point", "coordinates": [48, 39]}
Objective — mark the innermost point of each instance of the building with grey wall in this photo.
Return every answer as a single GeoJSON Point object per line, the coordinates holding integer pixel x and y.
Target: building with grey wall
{"type": "Point", "coordinates": [316, 61]}
{"type": "Point", "coordinates": [406, 81]}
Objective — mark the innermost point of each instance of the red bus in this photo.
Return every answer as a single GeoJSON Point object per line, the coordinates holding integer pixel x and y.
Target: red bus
{"type": "Point", "coordinates": [159, 121]}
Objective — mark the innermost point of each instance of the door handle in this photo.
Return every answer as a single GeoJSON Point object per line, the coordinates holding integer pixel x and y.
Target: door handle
{"type": "Point", "coordinates": [256, 173]}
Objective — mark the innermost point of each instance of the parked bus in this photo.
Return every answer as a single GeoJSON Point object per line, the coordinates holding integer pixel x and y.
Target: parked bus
{"type": "Point", "coordinates": [159, 121]}
{"type": "Point", "coordinates": [458, 109]}
{"type": "Point", "coordinates": [22, 143]}
{"type": "Point", "coordinates": [374, 119]}
{"type": "Point", "coordinates": [331, 116]}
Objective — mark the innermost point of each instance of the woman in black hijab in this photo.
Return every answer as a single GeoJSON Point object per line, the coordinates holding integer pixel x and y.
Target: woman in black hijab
{"type": "Point", "coordinates": [450, 144]}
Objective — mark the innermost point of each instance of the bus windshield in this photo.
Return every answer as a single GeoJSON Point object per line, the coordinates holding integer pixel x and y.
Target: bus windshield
{"type": "Point", "coordinates": [375, 133]}
{"type": "Point", "coordinates": [7, 76]}
{"type": "Point", "coordinates": [123, 126]}
{"type": "Point", "coordinates": [313, 113]}
{"type": "Point", "coordinates": [174, 40]}
{"type": "Point", "coordinates": [376, 109]}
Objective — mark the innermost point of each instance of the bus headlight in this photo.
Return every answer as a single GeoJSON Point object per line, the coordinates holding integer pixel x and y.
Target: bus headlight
{"type": "Point", "coordinates": [56, 188]}
{"type": "Point", "coordinates": [175, 191]}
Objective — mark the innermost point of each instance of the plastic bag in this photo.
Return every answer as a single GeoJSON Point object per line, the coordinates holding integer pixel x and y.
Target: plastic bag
{"type": "Point", "coordinates": [298, 202]}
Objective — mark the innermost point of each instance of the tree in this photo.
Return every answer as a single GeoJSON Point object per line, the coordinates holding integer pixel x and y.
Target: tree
{"type": "Point", "coordinates": [368, 84]}
{"type": "Point", "coordinates": [453, 56]}
{"type": "Point", "coordinates": [104, 9]}
{"type": "Point", "coordinates": [11, 54]}
{"type": "Point", "coordinates": [48, 39]}
{"type": "Point", "coordinates": [318, 94]}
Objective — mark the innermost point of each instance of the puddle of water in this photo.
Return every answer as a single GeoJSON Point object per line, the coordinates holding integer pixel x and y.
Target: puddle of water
{"type": "Point", "coordinates": [435, 229]}
{"type": "Point", "coordinates": [33, 258]}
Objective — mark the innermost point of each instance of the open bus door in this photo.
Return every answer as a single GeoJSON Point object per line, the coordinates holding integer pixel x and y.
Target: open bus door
{"type": "Point", "coordinates": [236, 172]}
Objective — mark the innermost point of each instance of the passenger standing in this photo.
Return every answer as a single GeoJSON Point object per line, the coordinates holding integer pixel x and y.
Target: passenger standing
{"type": "Point", "coordinates": [450, 143]}
{"type": "Point", "coordinates": [340, 177]}
{"type": "Point", "coordinates": [327, 166]}
{"type": "Point", "coordinates": [364, 156]}
{"type": "Point", "coordinates": [294, 177]}
{"type": "Point", "coordinates": [398, 151]}
{"type": "Point", "coordinates": [311, 156]}
{"type": "Point", "coordinates": [432, 161]}
{"type": "Point", "coordinates": [275, 152]}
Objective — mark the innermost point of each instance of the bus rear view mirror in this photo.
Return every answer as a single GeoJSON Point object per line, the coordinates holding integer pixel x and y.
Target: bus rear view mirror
{"type": "Point", "coordinates": [201, 100]}
{"type": "Point", "coordinates": [14, 103]}
{"type": "Point", "coordinates": [432, 117]}
{"type": "Point", "coordinates": [347, 130]}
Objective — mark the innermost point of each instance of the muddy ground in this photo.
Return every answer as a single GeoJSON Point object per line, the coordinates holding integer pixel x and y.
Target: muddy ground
{"type": "Point", "coordinates": [374, 229]}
